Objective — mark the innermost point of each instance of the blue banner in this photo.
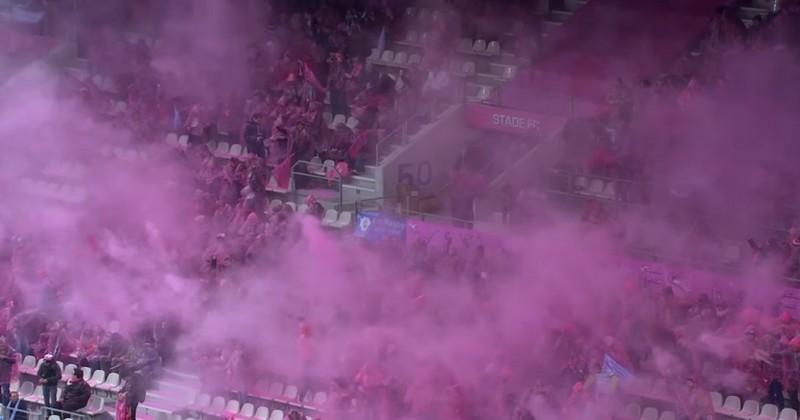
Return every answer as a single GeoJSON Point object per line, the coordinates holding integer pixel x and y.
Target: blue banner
{"type": "Point", "coordinates": [613, 368]}
{"type": "Point", "coordinates": [375, 226]}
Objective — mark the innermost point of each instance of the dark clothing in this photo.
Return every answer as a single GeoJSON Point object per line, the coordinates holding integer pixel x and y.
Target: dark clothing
{"type": "Point", "coordinates": [135, 389]}
{"type": "Point", "coordinates": [5, 369]}
{"type": "Point", "coordinates": [254, 138]}
{"type": "Point", "coordinates": [49, 392]}
{"type": "Point", "coordinates": [76, 396]}
{"type": "Point", "coordinates": [5, 390]}
{"type": "Point", "coordinates": [17, 410]}
{"type": "Point", "coordinates": [50, 372]}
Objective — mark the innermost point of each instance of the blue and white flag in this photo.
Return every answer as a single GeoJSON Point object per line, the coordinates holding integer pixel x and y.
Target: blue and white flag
{"type": "Point", "coordinates": [612, 367]}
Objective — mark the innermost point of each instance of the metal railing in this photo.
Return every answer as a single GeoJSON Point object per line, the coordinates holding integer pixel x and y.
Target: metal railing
{"type": "Point", "coordinates": [43, 413]}
{"type": "Point", "coordinates": [315, 180]}
{"type": "Point", "coordinates": [397, 207]}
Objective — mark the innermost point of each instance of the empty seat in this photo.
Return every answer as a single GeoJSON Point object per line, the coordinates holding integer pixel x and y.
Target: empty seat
{"type": "Point", "coordinates": [465, 44]}
{"type": "Point", "coordinates": [112, 382]}
{"type": "Point", "coordinates": [376, 54]}
{"type": "Point", "coordinates": [26, 389]}
{"type": "Point", "coordinates": [412, 36]}
{"type": "Point", "coordinates": [716, 400]}
{"type": "Point", "coordinates": [345, 218]}
{"type": "Point", "coordinates": [236, 150]}
{"type": "Point", "coordinates": [248, 410]}
{"type": "Point", "coordinates": [595, 187]}
{"type": "Point", "coordinates": [87, 372]}
{"type": "Point", "coordinates": [387, 56]}
{"type": "Point", "coordinates": [610, 191]}
{"type": "Point", "coordinates": [94, 406]}
{"type": "Point", "coordinates": [401, 58]}
{"type": "Point", "coordinates": [276, 389]}
{"type": "Point", "coordinates": [172, 139]}
{"type": "Point", "coordinates": [649, 413]}
{"type": "Point", "coordinates": [302, 209]}
{"type": "Point", "coordinates": [292, 205]}
{"type": "Point", "coordinates": [183, 141]}
{"type": "Point", "coordinates": [201, 401]}
{"type": "Point", "coordinates": [479, 46]}
{"type": "Point", "coordinates": [275, 203]}
{"type": "Point", "coordinates": [667, 415]}
{"type": "Point", "coordinates": [352, 123]}
{"type": "Point", "coordinates": [331, 216]}
{"type": "Point", "coordinates": [276, 415]}
{"type": "Point", "coordinates": [731, 406]}
{"type": "Point", "coordinates": [749, 409]}
{"type": "Point", "coordinates": [768, 411]}
{"type": "Point", "coordinates": [98, 377]}
{"type": "Point", "coordinates": [633, 411]}
{"type": "Point", "coordinates": [493, 48]}
{"type": "Point", "coordinates": [223, 149]}
{"type": "Point", "coordinates": [262, 413]}
{"type": "Point", "coordinates": [232, 407]}
{"type": "Point", "coordinates": [320, 398]}
{"type": "Point", "coordinates": [468, 68]}
{"type": "Point", "coordinates": [414, 59]}
{"type": "Point", "coordinates": [338, 119]}
{"type": "Point", "coordinates": [29, 362]}
{"type": "Point", "coordinates": [484, 92]}
{"type": "Point", "coordinates": [291, 392]}
{"type": "Point", "coordinates": [54, 417]}
{"type": "Point", "coordinates": [217, 405]}
{"type": "Point", "coordinates": [788, 414]}
{"type": "Point", "coordinates": [328, 165]}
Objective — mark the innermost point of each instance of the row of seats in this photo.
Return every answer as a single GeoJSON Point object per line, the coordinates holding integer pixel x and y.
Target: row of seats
{"type": "Point", "coordinates": [733, 407]}
{"type": "Point", "coordinates": [338, 220]}
{"type": "Point", "coordinates": [27, 392]}
{"type": "Point", "coordinates": [479, 47]}
{"type": "Point", "coordinates": [128, 155]}
{"type": "Point", "coordinates": [97, 379]}
{"type": "Point", "coordinates": [335, 121]}
{"type": "Point", "coordinates": [596, 187]}
{"type": "Point", "coordinates": [52, 190]}
{"type": "Point", "coordinates": [389, 58]}
{"type": "Point", "coordinates": [218, 407]}
{"type": "Point", "coordinates": [476, 92]}
{"type": "Point", "coordinates": [415, 38]}
{"type": "Point", "coordinates": [175, 141]}
{"type": "Point", "coordinates": [634, 411]}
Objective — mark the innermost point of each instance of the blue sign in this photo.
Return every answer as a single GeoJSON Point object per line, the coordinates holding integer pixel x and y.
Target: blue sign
{"type": "Point", "coordinates": [375, 226]}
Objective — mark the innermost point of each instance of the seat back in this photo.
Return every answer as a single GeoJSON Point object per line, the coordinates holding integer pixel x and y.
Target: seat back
{"type": "Point", "coordinates": [113, 379]}
{"type": "Point", "coordinates": [232, 406]}
{"type": "Point", "coordinates": [218, 403]}
{"type": "Point", "coordinates": [788, 414]}
{"type": "Point", "coordinates": [291, 392]}
{"type": "Point", "coordinates": [479, 46]}
{"type": "Point", "coordinates": [276, 415]}
{"type": "Point", "coordinates": [770, 411]}
{"type": "Point", "coordinates": [248, 410]}
{"type": "Point", "coordinates": [388, 56]}
{"type": "Point", "coordinates": [99, 376]}
{"type": "Point", "coordinates": [262, 413]}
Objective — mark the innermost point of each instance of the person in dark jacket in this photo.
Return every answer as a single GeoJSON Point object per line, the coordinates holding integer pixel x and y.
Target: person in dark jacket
{"type": "Point", "coordinates": [135, 392]}
{"type": "Point", "coordinates": [7, 361]}
{"type": "Point", "coordinates": [17, 408]}
{"type": "Point", "coordinates": [49, 373]}
{"type": "Point", "coordinates": [76, 394]}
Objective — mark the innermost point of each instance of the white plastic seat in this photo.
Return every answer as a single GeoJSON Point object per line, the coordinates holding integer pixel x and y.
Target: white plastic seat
{"type": "Point", "coordinates": [788, 414]}
{"type": "Point", "coordinates": [248, 410]}
{"type": "Point", "coordinates": [302, 209]}
{"type": "Point", "coordinates": [331, 216]}
{"type": "Point", "coordinates": [54, 417]}
{"type": "Point", "coordinates": [633, 411]}
{"type": "Point", "coordinates": [468, 68]}
{"type": "Point", "coordinates": [352, 123]}
{"type": "Point", "coordinates": [338, 119]}
{"type": "Point", "coordinates": [731, 406]}
{"type": "Point", "coordinates": [36, 395]}
{"type": "Point", "coordinates": [610, 191]}
{"type": "Point", "coordinates": [401, 58]}
{"type": "Point", "coordinates": [292, 205]}
{"type": "Point", "coordinates": [98, 377]}
{"type": "Point", "coordinates": [276, 415]}
{"type": "Point", "coordinates": [223, 149]}
{"type": "Point", "coordinates": [111, 383]}
{"type": "Point", "coordinates": [649, 413]}
{"type": "Point", "coordinates": [749, 409]}
{"type": "Point", "coordinates": [94, 406]}
{"type": "Point", "coordinates": [232, 407]}
{"type": "Point", "coordinates": [87, 372]}
{"type": "Point", "coordinates": [26, 389]}
{"type": "Point", "coordinates": [479, 46]}
{"type": "Point", "coordinates": [217, 405]}
{"type": "Point", "coordinates": [493, 48]}
{"type": "Point", "coordinates": [276, 388]}
{"type": "Point", "coordinates": [387, 56]}
{"type": "Point", "coordinates": [29, 362]}
{"type": "Point", "coordinates": [667, 415]}
{"type": "Point", "coordinates": [236, 150]}
{"type": "Point", "coordinates": [414, 59]}
{"type": "Point", "coordinates": [465, 44]}
{"type": "Point", "coordinates": [314, 165]}
{"type": "Point", "coordinates": [172, 139]}
{"type": "Point", "coordinates": [716, 400]}
{"type": "Point", "coordinates": [262, 413]}
{"type": "Point", "coordinates": [376, 54]}
{"type": "Point", "coordinates": [327, 166]}
{"type": "Point", "coordinates": [484, 93]}
{"type": "Point", "coordinates": [291, 392]}
{"type": "Point", "coordinates": [344, 220]}
{"type": "Point", "coordinates": [275, 203]}
{"type": "Point", "coordinates": [68, 372]}
{"type": "Point", "coordinates": [595, 187]}
{"type": "Point", "coordinates": [183, 141]}
{"type": "Point", "coordinates": [202, 401]}
{"type": "Point", "coordinates": [768, 411]}
{"type": "Point", "coordinates": [320, 398]}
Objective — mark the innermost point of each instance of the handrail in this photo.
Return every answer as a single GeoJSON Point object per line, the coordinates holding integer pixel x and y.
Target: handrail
{"type": "Point", "coordinates": [43, 413]}
{"type": "Point", "coordinates": [339, 179]}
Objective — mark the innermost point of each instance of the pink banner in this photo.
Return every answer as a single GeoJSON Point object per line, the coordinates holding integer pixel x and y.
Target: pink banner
{"type": "Point", "coordinates": [511, 121]}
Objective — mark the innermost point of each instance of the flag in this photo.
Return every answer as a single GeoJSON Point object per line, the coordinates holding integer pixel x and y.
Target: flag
{"type": "Point", "coordinates": [311, 78]}
{"type": "Point", "coordinates": [355, 149]}
{"type": "Point", "coordinates": [382, 40]}
{"type": "Point", "coordinates": [283, 172]}
{"type": "Point", "coordinates": [612, 367]}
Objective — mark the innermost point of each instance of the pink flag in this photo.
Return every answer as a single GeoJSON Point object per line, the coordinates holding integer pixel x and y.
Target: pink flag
{"type": "Point", "coordinates": [283, 172]}
{"type": "Point", "coordinates": [312, 78]}
{"type": "Point", "coordinates": [358, 144]}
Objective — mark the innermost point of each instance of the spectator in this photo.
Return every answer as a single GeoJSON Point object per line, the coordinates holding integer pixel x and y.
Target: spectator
{"type": "Point", "coordinates": [7, 361]}
{"type": "Point", "coordinates": [76, 394]}
{"type": "Point", "coordinates": [17, 408]}
{"type": "Point", "coordinates": [253, 135]}
{"type": "Point", "coordinates": [49, 374]}
{"type": "Point", "coordinates": [133, 393]}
